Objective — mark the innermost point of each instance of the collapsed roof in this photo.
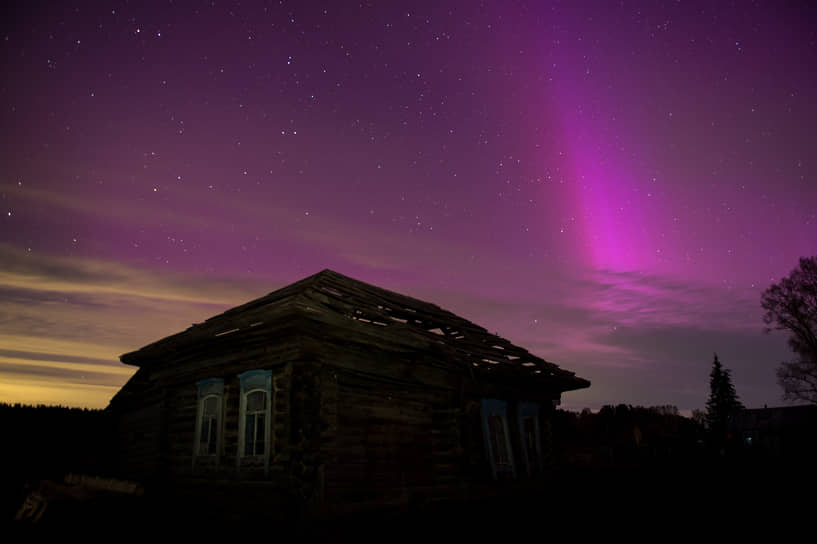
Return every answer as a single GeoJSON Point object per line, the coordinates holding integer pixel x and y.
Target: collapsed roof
{"type": "Point", "coordinates": [363, 313]}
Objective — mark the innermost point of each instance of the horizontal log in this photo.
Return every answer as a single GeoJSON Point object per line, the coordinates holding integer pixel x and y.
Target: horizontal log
{"type": "Point", "coordinates": [383, 443]}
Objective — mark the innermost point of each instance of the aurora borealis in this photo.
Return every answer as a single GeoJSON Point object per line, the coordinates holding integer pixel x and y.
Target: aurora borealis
{"type": "Point", "coordinates": [610, 185]}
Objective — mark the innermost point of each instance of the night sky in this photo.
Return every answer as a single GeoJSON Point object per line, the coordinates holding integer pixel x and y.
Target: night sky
{"type": "Point", "coordinates": [610, 185]}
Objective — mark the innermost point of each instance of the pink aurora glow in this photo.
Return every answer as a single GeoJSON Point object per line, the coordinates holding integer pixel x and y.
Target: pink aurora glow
{"type": "Point", "coordinates": [611, 186]}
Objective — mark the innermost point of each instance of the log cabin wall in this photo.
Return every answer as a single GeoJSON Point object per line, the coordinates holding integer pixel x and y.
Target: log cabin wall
{"type": "Point", "coordinates": [342, 436]}
{"type": "Point", "coordinates": [382, 446]}
{"type": "Point", "coordinates": [139, 405]}
{"type": "Point", "coordinates": [395, 428]}
{"type": "Point", "coordinates": [376, 396]}
{"type": "Point", "coordinates": [158, 422]}
{"type": "Point", "coordinates": [447, 469]}
{"type": "Point", "coordinates": [387, 424]}
{"type": "Point", "coordinates": [304, 453]}
{"type": "Point", "coordinates": [384, 442]}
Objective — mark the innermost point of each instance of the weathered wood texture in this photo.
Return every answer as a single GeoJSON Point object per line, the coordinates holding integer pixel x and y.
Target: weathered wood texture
{"type": "Point", "coordinates": [140, 426]}
{"type": "Point", "coordinates": [157, 415]}
{"type": "Point", "coordinates": [382, 443]}
{"type": "Point", "coordinates": [399, 323]}
{"type": "Point", "coordinates": [386, 444]}
{"type": "Point", "coordinates": [371, 316]}
{"type": "Point", "coordinates": [376, 396]}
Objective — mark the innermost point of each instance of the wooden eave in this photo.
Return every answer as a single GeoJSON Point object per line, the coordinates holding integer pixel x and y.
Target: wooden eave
{"type": "Point", "coordinates": [353, 311]}
{"type": "Point", "coordinates": [254, 316]}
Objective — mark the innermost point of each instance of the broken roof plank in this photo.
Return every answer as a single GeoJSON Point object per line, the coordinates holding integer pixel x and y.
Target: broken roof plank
{"type": "Point", "coordinates": [363, 313]}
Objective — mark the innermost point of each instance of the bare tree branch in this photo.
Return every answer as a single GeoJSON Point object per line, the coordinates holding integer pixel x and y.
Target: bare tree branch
{"type": "Point", "coordinates": [791, 305]}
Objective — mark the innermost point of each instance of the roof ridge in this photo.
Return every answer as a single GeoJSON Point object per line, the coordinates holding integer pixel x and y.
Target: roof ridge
{"type": "Point", "coordinates": [332, 294]}
{"type": "Point", "coordinates": [272, 296]}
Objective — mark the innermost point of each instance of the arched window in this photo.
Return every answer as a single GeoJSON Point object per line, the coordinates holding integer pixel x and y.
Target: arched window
{"type": "Point", "coordinates": [207, 442]}
{"type": "Point", "coordinates": [208, 432]}
{"type": "Point", "coordinates": [255, 425]}
{"type": "Point", "coordinates": [255, 422]}
{"type": "Point", "coordinates": [497, 441]}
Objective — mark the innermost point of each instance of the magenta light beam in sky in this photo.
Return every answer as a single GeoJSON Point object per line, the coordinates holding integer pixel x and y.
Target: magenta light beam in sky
{"type": "Point", "coordinates": [610, 185]}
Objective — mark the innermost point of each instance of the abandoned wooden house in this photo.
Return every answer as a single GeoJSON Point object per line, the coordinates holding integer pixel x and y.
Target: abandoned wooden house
{"type": "Point", "coordinates": [337, 394]}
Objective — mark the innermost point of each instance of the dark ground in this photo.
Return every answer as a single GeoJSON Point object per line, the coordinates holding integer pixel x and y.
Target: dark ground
{"type": "Point", "coordinates": [598, 484]}
{"type": "Point", "coordinates": [722, 497]}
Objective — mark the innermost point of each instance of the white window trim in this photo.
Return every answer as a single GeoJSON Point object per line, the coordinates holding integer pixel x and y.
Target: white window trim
{"type": "Point", "coordinates": [500, 408]}
{"type": "Point", "coordinates": [250, 382]}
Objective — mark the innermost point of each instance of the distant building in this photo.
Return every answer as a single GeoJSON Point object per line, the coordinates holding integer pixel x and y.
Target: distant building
{"type": "Point", "coordinates": [787, 431]}
{"type": "Point", "coordinates": [335, 394]}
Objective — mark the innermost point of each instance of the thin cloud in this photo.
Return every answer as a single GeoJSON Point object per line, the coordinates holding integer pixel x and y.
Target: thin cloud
{"type": "Point", "coordinates": [49, 274]}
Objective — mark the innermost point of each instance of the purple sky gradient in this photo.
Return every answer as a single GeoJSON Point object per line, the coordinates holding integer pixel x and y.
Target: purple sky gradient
{"type": "Point", "coordinates": [610, 185]}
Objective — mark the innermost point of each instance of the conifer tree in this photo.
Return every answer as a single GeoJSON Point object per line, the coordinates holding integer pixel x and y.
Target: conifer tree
{"type": "Point", "coordinates": [722, 400]}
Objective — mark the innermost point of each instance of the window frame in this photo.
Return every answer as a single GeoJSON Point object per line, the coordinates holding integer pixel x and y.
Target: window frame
{"type": "Point", "coordinates": [255, 414]}
{"type": "Point", "coordinates": [496, 407]}
{"type": "Point", "coordinates": [250, 382]}
{"type": "Point", "coordinates": [209, 388]}
{"type": "Point", "coordinates": [530, 410]}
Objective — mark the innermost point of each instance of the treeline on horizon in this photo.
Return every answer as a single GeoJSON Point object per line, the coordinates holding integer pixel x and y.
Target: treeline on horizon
{"type": "Point", "coordinates": [666, 408]}
{"type": "Point", "coordinates": [625, 436]}
{"type": "Point", "coordinates": [48, 441]}
{"type": "Point", "coordinates": [616, 447]}
{"type": "Point", "coordinates": [52, 440]}
{"type": "Point", "coordinates": [18, 406]}
{"type": "Point", "coordinates": [44, 442]}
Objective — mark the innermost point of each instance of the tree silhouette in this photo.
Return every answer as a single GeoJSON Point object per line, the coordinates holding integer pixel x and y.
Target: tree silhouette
{"type": "Point", "coordinates": [791, 305]}
{"type": "Point", "coordinates": [723, 400]}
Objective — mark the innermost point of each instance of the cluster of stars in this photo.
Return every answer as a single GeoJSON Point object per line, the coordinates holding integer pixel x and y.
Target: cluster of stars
{"type": "Point", "coordinates": [290, 136]}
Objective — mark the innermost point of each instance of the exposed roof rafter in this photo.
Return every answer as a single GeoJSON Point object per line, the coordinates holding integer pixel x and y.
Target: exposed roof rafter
{"type": "Point", "coordinates": [367, 311]}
